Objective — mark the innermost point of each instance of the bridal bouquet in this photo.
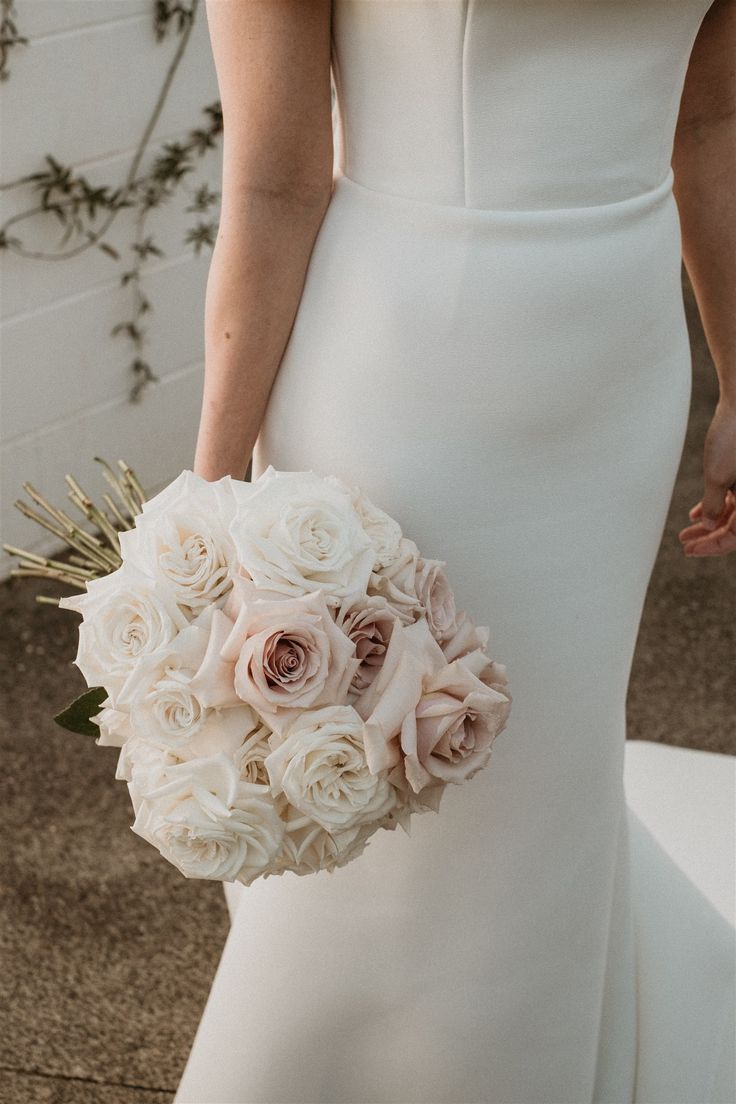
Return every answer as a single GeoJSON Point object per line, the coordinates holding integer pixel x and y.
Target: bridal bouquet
{"type": "Point", "coordinates": [283, 672]}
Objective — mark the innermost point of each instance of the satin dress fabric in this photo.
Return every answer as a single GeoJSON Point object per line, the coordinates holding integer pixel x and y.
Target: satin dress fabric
{"type": "Point", "coordinates": [491, 341]}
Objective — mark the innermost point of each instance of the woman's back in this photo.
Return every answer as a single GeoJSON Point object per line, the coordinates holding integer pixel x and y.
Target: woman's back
{"type": "Point", "coordinates": [510, 104]}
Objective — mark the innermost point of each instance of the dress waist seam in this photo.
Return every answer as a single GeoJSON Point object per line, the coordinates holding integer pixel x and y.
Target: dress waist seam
{"type": "Point", "coordinates": [638, 200]}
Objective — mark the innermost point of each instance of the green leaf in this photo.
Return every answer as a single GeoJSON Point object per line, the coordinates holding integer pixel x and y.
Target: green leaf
{"type": "Point", "coordinates": [76, 716]}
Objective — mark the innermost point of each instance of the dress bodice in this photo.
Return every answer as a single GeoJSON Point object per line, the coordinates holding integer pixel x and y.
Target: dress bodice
{"type": "Point", "coordinates": [482, 103]}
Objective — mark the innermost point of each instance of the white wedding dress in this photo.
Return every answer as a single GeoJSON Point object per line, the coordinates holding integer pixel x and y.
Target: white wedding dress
{"type": "Point", "coordinates": [492, 343]}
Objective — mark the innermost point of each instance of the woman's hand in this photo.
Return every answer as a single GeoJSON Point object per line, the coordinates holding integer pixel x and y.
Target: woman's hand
{"type": "Point", "coordinates": [714, 530]}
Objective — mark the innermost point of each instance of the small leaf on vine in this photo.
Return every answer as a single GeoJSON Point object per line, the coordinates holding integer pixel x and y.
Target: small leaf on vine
{"type": "Point", "coordinates": [146, 248]}
{"type": "Point", "coordinates": [145, 375]}
{"type": "Point", "coordinates": [204, 233]}
{"type": "Point", "coordinates": [109, 249]}
{"type": "Point", "coordinates": [9, 36]}
{"type": "Point", "coordinates": [203, 199]}
{"type": "Point", "coordinates": [128, 328]}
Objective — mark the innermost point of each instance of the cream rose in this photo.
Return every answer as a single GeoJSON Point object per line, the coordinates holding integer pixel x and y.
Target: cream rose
{"type": "Point", "coordinates": [289, 654]}
{"type": "Point", "coordinates": [161, 692]}
{"type": "Point", "coordinates": [145, 760]}
{"type": "Point", "coordinates": [321, 767]}
{"type": "Point", "coordinates": [251, 755]}
{"type": "Point", "coordinates": [230, 731]}
{"type": "Point", "coordinates": [383, 530]}
{"type": "Point", "coordinates": [209, 823]}
{"type": "Point", "coordinates": [182, 539]}
{"type": "Point", "coordinates": [308, 847]}
{"type": "Point", "coordinates": [125, 617]}
{"type": "Point", "coordinates": [296, 532]}
{"type": "Point", "coordinates": [114, 725]}
{"type": "Point", "coordinates": [435, 594]}
{"type": "Point", "coordinates": [353, 842]}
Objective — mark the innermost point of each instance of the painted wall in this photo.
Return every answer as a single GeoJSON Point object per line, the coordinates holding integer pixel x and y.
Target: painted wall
{"type": "Point", "coordinates": [83, 90]}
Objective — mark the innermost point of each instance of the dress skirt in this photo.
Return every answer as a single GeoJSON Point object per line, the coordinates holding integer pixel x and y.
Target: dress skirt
{"type": "Point", "coordinates": [513, 386]}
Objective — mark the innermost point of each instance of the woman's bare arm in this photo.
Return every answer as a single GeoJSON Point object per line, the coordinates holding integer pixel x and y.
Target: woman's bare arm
{"type": "Point", "coordinates": [272, 59]}
{"type": "Point", "coordinates": [704, 163]}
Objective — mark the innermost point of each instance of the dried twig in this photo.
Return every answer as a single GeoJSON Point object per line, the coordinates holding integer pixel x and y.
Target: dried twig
{"type": "Point", "coordinates": [93, 554]}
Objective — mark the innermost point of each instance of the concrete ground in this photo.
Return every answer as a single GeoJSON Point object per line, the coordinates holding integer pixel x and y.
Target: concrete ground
{"type": "Point", "coordinates": [108, 953]}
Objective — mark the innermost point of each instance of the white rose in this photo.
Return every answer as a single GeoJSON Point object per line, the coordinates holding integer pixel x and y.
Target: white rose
{"type": "Point", "coordinates": [209, 823]}
{"type": "Point", "coordinates": [383, 530]}
{"type": "Point", "coordinates": [114, 725]}
{"type": "Point", "coordinates": [125, 617]}
{"type": "Point", "coordinates": [165, 705]}
{"type": "Point", "coordinates": [250, 756]}
{"type": "Point", "coordinates": [321, 767]}
{"type": "Point", "coordinates": [142, 761]}
{"type": "Point", "coordinates": [181, 538]}
{"type": "Point", "coordinates": [224, 730]}
{"type": "Point", "coordinates": [349, 847]}
{"type": "Point", "coordinates": [167, 712]}
{"type": "Point", "coordinates": [298, 532]}
{"type": "Point", "coordinates": [307, 847]}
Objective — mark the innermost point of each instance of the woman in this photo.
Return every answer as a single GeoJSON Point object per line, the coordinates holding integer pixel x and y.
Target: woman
{"type": "Point", "coordinates": [472, 308]}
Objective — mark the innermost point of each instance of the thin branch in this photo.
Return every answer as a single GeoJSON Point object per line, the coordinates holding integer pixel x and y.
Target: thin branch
{"type": "Point", "coordinates": [130, 182]}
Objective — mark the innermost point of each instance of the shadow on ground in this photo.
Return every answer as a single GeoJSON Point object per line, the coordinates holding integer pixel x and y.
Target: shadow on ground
{"type": "Point", "coordinates": [108, 953]}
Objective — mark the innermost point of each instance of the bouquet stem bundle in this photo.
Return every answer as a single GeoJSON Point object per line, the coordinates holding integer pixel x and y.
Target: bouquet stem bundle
{"type": "Point", "coordinates": [93, 553]}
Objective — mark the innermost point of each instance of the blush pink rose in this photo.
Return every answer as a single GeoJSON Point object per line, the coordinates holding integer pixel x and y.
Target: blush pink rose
{"type": "Point", "coordinates": [412, 656]}
{"type": "Point", "coordinates": [428, 722]}
{"type": "Point", "coordinates": [470, 643]}
{"type": "Point", "coordinates": [466, 638]}
{"type": "Point", "coordinates": [368, 622]}
{"type": "Point", "coordinates": [435, 594]}
{"type": "Point", "coordinates": [397, 582]}
{"type": "Point", "coordinates": [289, 654]}
{"type": "Point", "coordinates": [453, 727]}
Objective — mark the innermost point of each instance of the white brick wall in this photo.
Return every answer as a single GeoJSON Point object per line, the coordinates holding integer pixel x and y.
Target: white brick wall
{"type": "Point", "coordinates": [82, 90]}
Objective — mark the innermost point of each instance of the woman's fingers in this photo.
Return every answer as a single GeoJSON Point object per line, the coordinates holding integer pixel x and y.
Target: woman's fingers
{"type": "Point", "coordinates": [698, 541]}
{"type": "Point", "coordinates": [696, 530]}
{"type": "Point", "coordinates": [717, 543]}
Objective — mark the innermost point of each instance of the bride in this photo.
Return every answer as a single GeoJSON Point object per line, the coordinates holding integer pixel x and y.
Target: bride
{"type": "Point", "coordinates": [459, 288]}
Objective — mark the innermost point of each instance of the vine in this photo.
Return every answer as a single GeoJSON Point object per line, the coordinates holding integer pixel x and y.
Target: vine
{"type": "Point", "coordinates": [78, 204]}
{"type": "Point", "coordinates": [9, 36]}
